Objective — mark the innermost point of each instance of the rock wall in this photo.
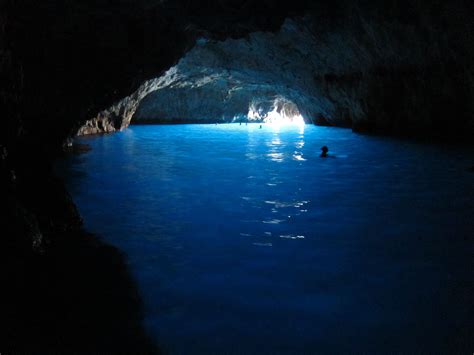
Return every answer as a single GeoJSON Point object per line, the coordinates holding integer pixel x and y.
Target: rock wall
{"type": "Point", "coordinates": [394, 66]}
{"type": "Point", "coordinates": [222, 80]}
{"type": "Point", "coordinates": [63, 290]}
{"type": "Point", "coordinates": [373, 72]}
{"type": "Point", "coordinates": [61, 62]}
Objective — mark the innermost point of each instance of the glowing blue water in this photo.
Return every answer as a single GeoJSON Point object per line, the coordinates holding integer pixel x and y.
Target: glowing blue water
{"type": "Point", "coordinates": [244, 240]}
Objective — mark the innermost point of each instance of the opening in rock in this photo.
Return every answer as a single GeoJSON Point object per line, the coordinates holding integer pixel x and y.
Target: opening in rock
{"type": "Point", "coordinates": [266, 77]}
{"type": "Point", "coordinates": [282, 112]}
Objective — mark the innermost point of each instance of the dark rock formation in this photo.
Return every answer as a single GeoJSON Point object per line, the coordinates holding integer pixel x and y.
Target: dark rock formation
{"type": "Point", "coordinates": [379, 71]}
{"type": "Point", "coordinates": [119, 115]}
{"type": "Point", "coordinates": [227, 80]}
{"type": "Point", "coordinates": [73, 296]}
{"type": "Point", "coordinates": [63, 290]}
{"type": "Point", "coordinates": [61, 62]}
{"type": "Point", "coordinates": [398, 67]}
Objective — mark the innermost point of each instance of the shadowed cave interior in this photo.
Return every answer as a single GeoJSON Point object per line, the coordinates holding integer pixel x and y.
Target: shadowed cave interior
{"type": "Point", "coordinates": [402, 68]}
{"type": "Point", "coordinates": [352, 77]}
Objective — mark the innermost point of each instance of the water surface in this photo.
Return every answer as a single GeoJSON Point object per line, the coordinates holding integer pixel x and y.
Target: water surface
{"type": "Point", "coordinates": [244, 240]}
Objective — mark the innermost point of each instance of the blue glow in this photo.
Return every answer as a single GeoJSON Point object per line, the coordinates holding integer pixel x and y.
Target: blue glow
{"type": "Point", "coordinates": [243, 240]}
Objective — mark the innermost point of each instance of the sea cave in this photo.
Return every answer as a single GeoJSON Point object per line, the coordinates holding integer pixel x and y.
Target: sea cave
{"type": "Point", "coordinates": [225, 176]}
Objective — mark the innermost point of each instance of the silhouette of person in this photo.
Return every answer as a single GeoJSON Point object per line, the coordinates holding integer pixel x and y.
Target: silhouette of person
{"type": "Point", "coordinates": [260, 126]}
{"type": "Point", "coordinates": [324, 153]}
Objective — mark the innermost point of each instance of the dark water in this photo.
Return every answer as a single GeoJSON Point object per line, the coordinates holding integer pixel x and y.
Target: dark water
{"type": "Point", "coordinates": [243, 240]}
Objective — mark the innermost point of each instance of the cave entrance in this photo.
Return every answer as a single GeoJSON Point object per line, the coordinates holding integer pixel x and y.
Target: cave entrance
{"type": "Point", "coordinates": [262, 78]}
{"type": "Point", "coordinates": [280, 112]}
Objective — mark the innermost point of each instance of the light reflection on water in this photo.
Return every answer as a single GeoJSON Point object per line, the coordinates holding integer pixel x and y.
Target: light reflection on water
{"type": "Point", "coordinates": [243, 240]}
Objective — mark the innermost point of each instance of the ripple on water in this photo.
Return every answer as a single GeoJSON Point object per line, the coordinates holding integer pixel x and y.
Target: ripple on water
{"type": "Point", "coordinates": [244, 238]}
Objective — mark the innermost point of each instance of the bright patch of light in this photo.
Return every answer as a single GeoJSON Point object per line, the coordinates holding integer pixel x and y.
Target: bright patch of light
{"type": "Point", "coordinates": [277, 119]}
{"type": "Point", "coordinates": [280, 119]}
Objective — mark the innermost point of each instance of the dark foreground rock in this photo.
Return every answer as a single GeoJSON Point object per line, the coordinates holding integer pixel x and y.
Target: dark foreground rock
{"type": "Point", "coordinates": [61, 62]}
{"type": "Point", "coordinates": [76, 297]}
{"type": "Point", "coordinates": [62, 289]}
